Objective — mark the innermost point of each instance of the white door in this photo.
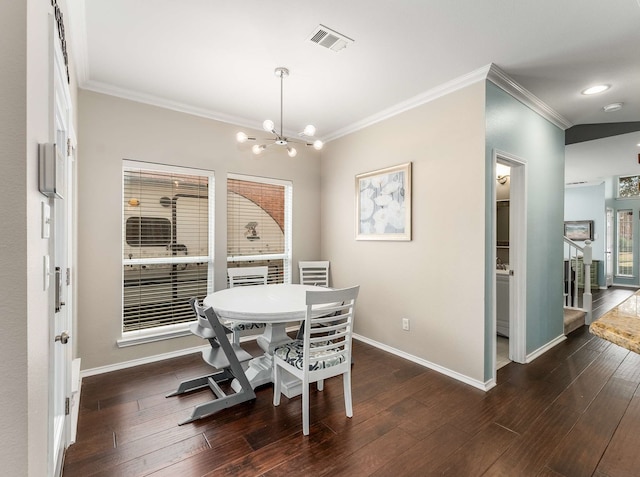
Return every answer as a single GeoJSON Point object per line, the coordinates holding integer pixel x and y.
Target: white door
{"type": "Point", "coordinates": [61, 252]}
{"type": "Point", "coordinates": [608, 258]}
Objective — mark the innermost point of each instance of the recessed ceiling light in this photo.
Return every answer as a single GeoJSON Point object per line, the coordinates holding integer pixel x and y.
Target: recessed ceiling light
{"type": "Point", "coordinates": [609, 108]}
{"type": "Point", "coordinates": [596, 89]}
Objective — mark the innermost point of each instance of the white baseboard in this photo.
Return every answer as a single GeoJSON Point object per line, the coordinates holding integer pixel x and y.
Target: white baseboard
{"type": "Point", "coordinates": [543, 349]}
{"type": "Point", "coordinates": [137, 362]}
{"type": "Point", "coordinates": [484, 386]}
{"type": "Point", "coordinates": [159, 357]}
{"type": "Point", "coordinates": [76, 386]}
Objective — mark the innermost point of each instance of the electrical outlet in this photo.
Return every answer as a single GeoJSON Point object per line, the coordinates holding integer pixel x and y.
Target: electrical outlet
{"type": "Point", "coordinates": [405, 324]}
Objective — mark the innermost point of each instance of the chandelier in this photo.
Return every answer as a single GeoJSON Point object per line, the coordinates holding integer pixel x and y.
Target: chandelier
{"type": "Point", "coordinates": [280, 139]}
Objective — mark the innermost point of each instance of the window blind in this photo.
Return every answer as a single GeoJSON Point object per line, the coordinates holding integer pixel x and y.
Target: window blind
{"type": "Point", "coordinates": [166, 243]}
{"type": "Point", "coordinates": [259, 225]}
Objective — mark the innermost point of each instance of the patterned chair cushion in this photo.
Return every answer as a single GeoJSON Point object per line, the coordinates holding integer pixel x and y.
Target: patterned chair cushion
{"type": "Point", "coordinates": [238, 326]}
{"type": "Point", "coordinates": [292, 353]}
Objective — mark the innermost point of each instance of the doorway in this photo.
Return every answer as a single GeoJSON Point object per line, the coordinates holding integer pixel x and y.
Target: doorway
{"type": "Point", "coordinates": [509, 256]}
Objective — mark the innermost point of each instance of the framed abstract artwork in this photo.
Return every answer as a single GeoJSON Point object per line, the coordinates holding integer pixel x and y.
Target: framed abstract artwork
{"type": "Point", "coordinates": [579, 230]}
{"type": "Point", "coordinates": [383, 204]}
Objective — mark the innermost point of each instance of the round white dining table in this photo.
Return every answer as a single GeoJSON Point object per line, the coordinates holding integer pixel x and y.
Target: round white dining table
{"type": "Point", "coordinates": [275, 305]}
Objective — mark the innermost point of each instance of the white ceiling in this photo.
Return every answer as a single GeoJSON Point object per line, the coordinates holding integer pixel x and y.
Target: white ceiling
{"type": "Point", "coordinates": [216, 58]}
{"type": "Point", "coordinates": [595, 161]}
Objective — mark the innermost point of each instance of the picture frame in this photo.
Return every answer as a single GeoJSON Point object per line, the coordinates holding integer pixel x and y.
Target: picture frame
{"type": "Point", "coordinates": [383, 204]}
{"type": "Point", "coordinates": [578, 230]}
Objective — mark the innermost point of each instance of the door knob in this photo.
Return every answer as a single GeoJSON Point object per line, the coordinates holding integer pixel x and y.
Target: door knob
{"type": "Point", "coordinates": [62, 337]}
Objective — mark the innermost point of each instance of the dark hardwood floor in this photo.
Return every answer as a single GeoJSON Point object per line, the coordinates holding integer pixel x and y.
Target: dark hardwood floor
{"type": "Point", "coordinates": [575, 411]}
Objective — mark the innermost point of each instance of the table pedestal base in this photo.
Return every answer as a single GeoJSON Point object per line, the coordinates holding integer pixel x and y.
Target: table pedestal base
{"type": "Point", "coordinates": [260, 372]}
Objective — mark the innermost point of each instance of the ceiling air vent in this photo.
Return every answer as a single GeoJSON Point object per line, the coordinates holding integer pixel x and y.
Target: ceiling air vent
{"type": "Point", "coordinates": [329, 38]}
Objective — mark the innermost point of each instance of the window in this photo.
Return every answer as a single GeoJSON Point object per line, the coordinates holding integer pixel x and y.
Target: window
{"type": "Point", "coordinates": [149, 231]}
{"type": "Point", "coordinates": [625, 243]}
{"type": "Point", "coordinates": [259, 225]}
{"type": "Point", "coordinates": [628, 187]}
{"type": "Point", "coordinates": [167, 246]}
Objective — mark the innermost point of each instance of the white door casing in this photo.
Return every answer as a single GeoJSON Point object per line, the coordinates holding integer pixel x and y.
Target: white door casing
{"type": "Point", "coordinates": [517, 254]}
{"type": "Point", "coordinates": [61, 251]}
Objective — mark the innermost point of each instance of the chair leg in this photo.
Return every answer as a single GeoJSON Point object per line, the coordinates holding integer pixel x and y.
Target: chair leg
{"type": "Point", "coordinates": [276, 385]}
{"type": "Point", "coordinates": [346, 379]}
{"type": "Point", "coordinates": [305, 407]}
{"type": "Point", "coordinates": [320, 384]}
{"type": "Point", "coordinates": [236, 337]}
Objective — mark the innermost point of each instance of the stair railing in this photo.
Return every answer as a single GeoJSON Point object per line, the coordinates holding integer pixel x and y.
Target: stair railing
{"type": "Point", "coordinates": [573, 255]}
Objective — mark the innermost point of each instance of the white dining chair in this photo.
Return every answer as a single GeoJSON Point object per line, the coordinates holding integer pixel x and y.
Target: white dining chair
{"type": "Point", "coordinates": [240, 277]}
{"type": "Point", "coordinates": [314, 272]}
{"type": "Point", "coordinates": [325, 349]}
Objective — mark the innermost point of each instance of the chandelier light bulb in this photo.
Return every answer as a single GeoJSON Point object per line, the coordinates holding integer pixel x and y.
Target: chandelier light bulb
{"type": "Point", "coordinates": [257, 148]}
{"type": "Point", "coordinates": [292, 151]}
{"type": "Point", "coordinates": [309, 130]}
{"type": "Point", "coordinates": [267, 125]}
{"type": "Point", "coordinates": [242, 137]}
{"type": "Point", "coordinates": [317, 144]}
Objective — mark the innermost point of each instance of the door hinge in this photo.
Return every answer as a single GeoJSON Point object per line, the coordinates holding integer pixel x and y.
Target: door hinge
{"type": "Point", "coordinates": [68, 276]}
{"type": "Point", "coordinates": [69, 147]}
{"type": "Point", "coordinates": [67, 403]}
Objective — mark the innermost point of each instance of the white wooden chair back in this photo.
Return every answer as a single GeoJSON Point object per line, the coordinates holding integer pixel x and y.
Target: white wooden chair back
{"type": "Point", "coordinates": [328, 330]}
{"type": "Point", "coordinates": [325, 350]}
{"type": "Point", "coordinates": [314, 272]}
{"type": "Point", "coordinates": [243, 276]}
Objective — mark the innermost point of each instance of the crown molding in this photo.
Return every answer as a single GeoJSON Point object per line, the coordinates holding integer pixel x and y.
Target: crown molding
{"type": "Point", "coordinates": [152, 100]}
{"type": "Point", "coordinates": [489, 72]}
{"type": "Point", "coordinates": [503, 81]}
{"type": "Point", "coordinates": [423, 98]}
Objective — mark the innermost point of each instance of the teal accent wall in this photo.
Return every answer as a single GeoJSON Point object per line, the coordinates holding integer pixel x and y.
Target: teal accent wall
{"type": "Point", "coordinates": [513, 128]}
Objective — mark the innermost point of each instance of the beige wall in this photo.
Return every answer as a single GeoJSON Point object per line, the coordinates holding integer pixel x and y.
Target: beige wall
{"type": "Point", "coordinates": [112, 129]}
{"type": "Point", "coordinates": [13, 246]}
{"type": "Point", "coordinates": [25, 306]}
{"type": "Point", "coordinates": [437, 279]}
